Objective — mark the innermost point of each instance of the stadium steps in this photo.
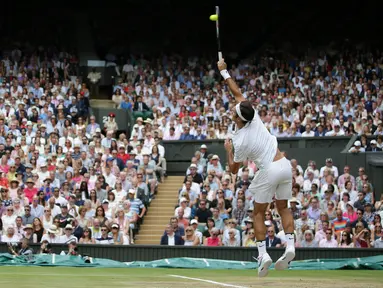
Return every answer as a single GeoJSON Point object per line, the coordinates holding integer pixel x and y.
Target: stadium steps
{"type": "Point", "coordinates": [160, 211]}
{"type": "Point", "coordinates": [101, 103]}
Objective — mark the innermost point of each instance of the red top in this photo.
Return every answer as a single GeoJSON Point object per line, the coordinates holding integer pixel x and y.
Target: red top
{"type": "Point", "coordinates": [29, 193]}
{"type": "Point", "coordinates": [212, 241]}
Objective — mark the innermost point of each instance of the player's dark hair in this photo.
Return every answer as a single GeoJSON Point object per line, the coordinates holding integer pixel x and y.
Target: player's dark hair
{"type": "Point", "coordinates": [247, 110]}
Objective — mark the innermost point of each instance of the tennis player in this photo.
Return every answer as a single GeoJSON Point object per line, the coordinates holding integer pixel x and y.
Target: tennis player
{"type": "Point", "coordinates": [253, 141]}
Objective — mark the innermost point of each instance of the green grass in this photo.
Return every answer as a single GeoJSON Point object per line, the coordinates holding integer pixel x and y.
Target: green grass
{"type": "Point", "coordinates": [57, 277]}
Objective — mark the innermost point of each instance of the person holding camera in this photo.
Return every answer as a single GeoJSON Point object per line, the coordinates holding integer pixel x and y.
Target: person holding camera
{"type": "Point", "coordinates": [24, 248]}
{"type": "Point", "coordinates": [362, 238]}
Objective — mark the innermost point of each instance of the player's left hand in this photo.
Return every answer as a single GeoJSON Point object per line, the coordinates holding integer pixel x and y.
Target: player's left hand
{"type": "Point", "coordinates": [228, 145]}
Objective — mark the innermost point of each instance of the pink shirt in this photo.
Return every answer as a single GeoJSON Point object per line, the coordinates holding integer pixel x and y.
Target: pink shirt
{"type": "Point", "coordinates": [328, 244]}
{"type": "Point", "coordinates": [351, 217]}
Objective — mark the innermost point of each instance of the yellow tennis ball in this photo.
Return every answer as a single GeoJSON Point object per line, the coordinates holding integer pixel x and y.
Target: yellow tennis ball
{"type": "Point", "coordinates": [213, 17]}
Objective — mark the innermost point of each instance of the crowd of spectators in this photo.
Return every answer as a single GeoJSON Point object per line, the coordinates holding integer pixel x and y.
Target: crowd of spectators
{"type": "Point", "coordinates": [337, 95]}
{"type": "Point", "coordinates": [330, 209]}
{"type": "Point", "coordinates": [62, 178]}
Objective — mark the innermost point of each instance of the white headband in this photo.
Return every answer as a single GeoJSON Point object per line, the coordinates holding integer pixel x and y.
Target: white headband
{"type": "Point", "coordinates": [238, 109]}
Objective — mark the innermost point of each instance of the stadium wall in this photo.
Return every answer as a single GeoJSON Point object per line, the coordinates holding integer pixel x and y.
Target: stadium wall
{"type": "Point", "coordinates": [150, 253]}
{"type": "Point", "coordinates": [123, 118]}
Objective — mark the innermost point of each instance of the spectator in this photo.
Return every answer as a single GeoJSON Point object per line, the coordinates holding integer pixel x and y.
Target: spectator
{"type": "Point", "coordinates": [190, 238]}
{"type": "Point", "coordinates": [104, 238]}
{"type": "Point", "coordinates": [202, 213]}
{"type": "Point", "coordinates": [346, 240]}
{"type": "Point", "coordinates": [329, 241]}
{"type": "Point", "coordinates": [213, 239]}
{"type": "Point", "coordinates": [357, 148]}
{"type": "Point", "coordinates": [271, 239]}
{"type": "Point", "coordinates": [309, 241]}
{"type": "Point", "coordinates": [170, 238]}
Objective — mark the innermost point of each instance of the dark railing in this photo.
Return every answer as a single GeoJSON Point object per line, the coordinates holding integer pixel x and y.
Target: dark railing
{"type": "Point", "coordinates": [150, 253]}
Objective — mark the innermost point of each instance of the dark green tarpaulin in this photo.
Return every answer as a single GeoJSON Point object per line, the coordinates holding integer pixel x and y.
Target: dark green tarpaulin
{"type": "Point", "coordinates": [367, 263]}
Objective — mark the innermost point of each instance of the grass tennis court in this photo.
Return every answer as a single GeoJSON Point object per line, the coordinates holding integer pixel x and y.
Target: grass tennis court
{"type": "Point", "coordinates": [31, 277]}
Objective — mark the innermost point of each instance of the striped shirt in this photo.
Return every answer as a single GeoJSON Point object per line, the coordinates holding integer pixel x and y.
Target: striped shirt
{"type": "Point", "coordinates": [340, 225]}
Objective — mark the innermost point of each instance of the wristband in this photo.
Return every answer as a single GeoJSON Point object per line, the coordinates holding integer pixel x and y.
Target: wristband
{"type": "Point", "coordinates": [225, 74]}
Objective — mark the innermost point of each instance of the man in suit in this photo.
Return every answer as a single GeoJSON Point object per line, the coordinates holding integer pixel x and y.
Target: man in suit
{"type": "Point", "coordinates": [170, 238]}
{"type": "Point", "coordinates": [373, 147]}
{"type": "Point", "coordinates": [140, 109]}
{"type": "Point", "coordinates": [271, 239]}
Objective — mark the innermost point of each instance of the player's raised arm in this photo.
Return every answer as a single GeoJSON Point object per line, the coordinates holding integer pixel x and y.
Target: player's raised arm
{"type": "Point", "coordinates": [232, 85]}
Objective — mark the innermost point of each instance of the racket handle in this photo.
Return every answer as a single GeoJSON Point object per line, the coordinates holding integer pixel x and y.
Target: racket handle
{"type": "Point", "coordinates": [219, 55]}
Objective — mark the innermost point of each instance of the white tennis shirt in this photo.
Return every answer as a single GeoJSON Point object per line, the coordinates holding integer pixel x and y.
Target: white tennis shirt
{"type": "Point", "coordinates": [254, 142]}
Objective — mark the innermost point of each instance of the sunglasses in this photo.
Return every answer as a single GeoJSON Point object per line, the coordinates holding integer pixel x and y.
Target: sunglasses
{"type": "Point", "coordinates": [104, 230]}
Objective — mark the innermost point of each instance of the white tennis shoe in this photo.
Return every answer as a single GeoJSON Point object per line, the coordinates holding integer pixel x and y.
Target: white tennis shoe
{"type": "Point", "coordinates": [286, 258]}
{"type": "Point", "coordinates": [264, 262]}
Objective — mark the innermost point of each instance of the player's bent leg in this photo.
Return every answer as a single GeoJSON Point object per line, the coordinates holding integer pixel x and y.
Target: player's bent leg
{"type": "Point", "coordinates": [288, 227]}
{"type": "Point", "coordinates": [264, 260]}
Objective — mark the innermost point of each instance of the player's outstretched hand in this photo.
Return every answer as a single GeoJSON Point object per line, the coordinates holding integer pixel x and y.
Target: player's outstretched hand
{"type": "Point", "coordinates": [228, 146]}
{"type": "Point", "coordinates": [221, 65]}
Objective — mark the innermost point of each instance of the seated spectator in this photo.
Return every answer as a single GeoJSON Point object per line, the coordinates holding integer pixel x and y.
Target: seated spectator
{"type": "Point", "coordinates": [170, 238]}
{"type": "Point", "coordinates": [117, 235]}
{"type": "Point", "coordinates": [303, 220]}
{"type": "Point", "coordinates": [271, 239]}
{"type": "Point", "coordinates": [378, 243]}
{"type": "Point", "coordinates": [202, 212]}
{"type": "Point", "coordinates": [339, 223]}
{"type": "Point", "coordinates": [105, 237]}
{"type": "Point", "coordinates": [309, 241]}
{"type": "Point", "coordinates": [190, 238]}
{"type": "Point", "coordinates": [52, 235]}
{"type": "Point", "coordinates": [345, 240]}
{"type": "Point", "coordinates": [232, 240]}
{"type": "Point", "coordinates": [9, 235]}
{"type": "Point", "coordinates": [87, 238]}
{"type": "Point", "coordinates": [357, 148]}
{"type": "Point", "coordinates": [186, 210]}
{"type": "Point", "coordinates": [24, 250]}
{"type": "Point", "coordinates": [329, 241]}
{"type": "Point", "coordinates": [213, 240]}
{"type": "Point", "coordinates": [350, 213]}
{"type": "Point", "coordinates": [362, 237]}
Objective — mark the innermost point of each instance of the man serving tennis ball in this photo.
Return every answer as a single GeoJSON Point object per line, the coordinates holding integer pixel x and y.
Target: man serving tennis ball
{"type": "Point", "coordinates": [252, 141]}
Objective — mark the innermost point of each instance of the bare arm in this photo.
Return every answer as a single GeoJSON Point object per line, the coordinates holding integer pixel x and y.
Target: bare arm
{"type": "Point", "coordinates": [230, 81]}
{"type": "Point", "coordinates": [233, 166]}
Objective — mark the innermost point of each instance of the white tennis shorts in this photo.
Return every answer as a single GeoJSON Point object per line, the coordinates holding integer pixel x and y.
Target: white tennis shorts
{"type": "Point", "coordinates": [276, 179]}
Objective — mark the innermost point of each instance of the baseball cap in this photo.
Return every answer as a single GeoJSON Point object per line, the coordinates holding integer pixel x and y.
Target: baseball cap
{"type": "Point", "coordinates": [194, 221]}
{"type": "Point", "coordinates": [203, 146]}
{"type": "Point", "coordinates": [357, 143]}
{"type": "Point", "coordinates": [373, 142]}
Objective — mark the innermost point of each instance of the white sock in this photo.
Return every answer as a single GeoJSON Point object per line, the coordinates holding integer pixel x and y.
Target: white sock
{"type": "Point", "coordinates": [261, 247]}
{"type": "Point", "coordinates": [290, 240]}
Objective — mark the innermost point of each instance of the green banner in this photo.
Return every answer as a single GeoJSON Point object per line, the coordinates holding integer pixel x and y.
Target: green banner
{"type": "Point", "coordinates": [367, 263]}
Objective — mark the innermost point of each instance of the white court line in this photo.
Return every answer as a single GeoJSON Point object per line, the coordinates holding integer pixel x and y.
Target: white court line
{"type": "Point", "coordinates": [207, 281]}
